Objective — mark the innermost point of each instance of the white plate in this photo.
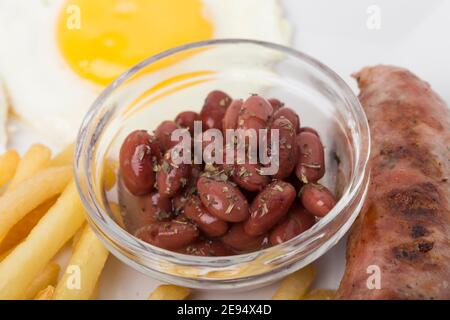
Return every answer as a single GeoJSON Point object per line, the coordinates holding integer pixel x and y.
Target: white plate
{"type": "Point", "coordinates": [346, 37]}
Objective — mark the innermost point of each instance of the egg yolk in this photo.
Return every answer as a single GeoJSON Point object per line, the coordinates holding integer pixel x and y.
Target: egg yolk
{"type": "Point", "coordinates": [100, 39]}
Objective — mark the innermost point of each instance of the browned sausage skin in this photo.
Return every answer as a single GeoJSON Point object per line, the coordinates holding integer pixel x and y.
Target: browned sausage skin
{"type": "Point", "coordinates": [404, 228]}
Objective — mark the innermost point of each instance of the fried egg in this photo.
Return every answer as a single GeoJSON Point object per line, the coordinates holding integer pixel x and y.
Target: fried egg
{"type": "Point", "coordinates": [57, 55]}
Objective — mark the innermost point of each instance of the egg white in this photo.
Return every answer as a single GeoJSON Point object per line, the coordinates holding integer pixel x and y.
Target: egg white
{"type": "Point", "coordinates": [47, 94]}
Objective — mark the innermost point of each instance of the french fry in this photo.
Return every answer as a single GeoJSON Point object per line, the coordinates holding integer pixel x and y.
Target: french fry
{"type": "Point", "coordinates": [46, 278]}
{"type": "Point", "coordinates": [8, 165]}
{"type": "Point", "coordinates": [95, 293]}
{"type": "Point", "coordinates": [64, 158]}
{"type": "Point", "coordinates": [169, 292]}
{"type": "Point", "coordinates": [5, 254]}
{"type": "Point", "coordinates": [25, 262]}
{"type": "Point", "coordinates": [117, 214]}
{"type": "Point", "coordinates": [21, 229]}
{"type": "Point", "coordinates": [30, 194]}
{"type": "Point", "coordinates": [320, 294]}
{"type": "Point", "coordinates": [77, 236]}
{"type": "Point", "coordinates": [85, 265]}
{"type": "Point", "coordinates": [109, 173]}
{"type": "Point", "coordinates": [35, 159]}
{"type": "Point", "coordinates": [46, 294]}
{"type": "Point", "coordinates": [295, 285]}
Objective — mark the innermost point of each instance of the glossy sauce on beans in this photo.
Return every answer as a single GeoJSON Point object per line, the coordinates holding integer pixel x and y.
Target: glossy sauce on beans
{"type": "Point", "coordinates": [207, 248]}
{"type": "Point", "coordinates": [143, 210]}
{"type": "Point", "coordinates": [210, 209]}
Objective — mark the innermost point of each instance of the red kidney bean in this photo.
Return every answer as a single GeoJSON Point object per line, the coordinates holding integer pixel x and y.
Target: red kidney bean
{"type": "Point", "coordinates": [298, 221]}
{"type": "Point", "coordinates": [171, 177]}
{"type": "Point", "coordinates": [317, 199]}
{"type": "Point", "coordinates": [230, 119]}
{"type": "Point", "coordinates": [169, 235]}
{"type": "Point", "coordinates": [209, 224]}
{"type": "Point", "coordinates": [311, 162]}
{"type": "Point", "coordinates": [207, 248]}
{"type": "Point", "coordinates": [238, 239]}
{"type": "Point", "coordinates": [138, 155]}
{"type": "Point", "coordinates": [308, 129]}
{"type": "Point", "coordinates": [248, 176]}
{"type": "Point", "coordinates": [288, 150]}
{"type": "Point", "coordinates": [163, 134]}
{"type": "Point", "coordinates": [186, 120]}
{"type": "Point", "coordinates": [276, 104]}
{"type": "Point", "coordinates": [289, 114]}
{"type": "Point", "coordinates": [214, 108]}
{"type": "Point", "coordinates": [255, 113]}
{"type": "Point", "coordinates": [269, 207]}
{"type": "Point", "coordinates": [222, 199]}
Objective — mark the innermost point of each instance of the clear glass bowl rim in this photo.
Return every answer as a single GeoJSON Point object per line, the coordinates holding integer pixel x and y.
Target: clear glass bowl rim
{"type": "Point", "coordinates": [120, 236]}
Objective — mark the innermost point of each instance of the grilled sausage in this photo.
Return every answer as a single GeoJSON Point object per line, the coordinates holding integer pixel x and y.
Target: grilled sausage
{"type": "Point", "coordinates": [404, 229]}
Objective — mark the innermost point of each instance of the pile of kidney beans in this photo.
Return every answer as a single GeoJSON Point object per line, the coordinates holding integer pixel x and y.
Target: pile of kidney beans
{"type": "Point", "coordinates": [219, 210]}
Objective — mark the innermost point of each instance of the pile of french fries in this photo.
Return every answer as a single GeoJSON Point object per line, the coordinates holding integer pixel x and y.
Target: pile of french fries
{"type": "Point", "coordinates": [40, 213]}
{"type": "Point", "coordinates": [296, 286]}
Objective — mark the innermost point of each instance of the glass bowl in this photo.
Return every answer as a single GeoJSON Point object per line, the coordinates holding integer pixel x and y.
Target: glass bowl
{"type": "Point", "coordinates": [178, 80]}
